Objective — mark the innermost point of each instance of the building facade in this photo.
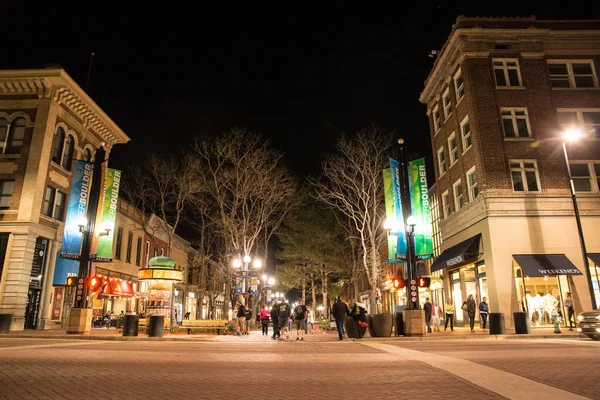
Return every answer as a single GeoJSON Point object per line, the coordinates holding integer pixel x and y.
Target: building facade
{"type": "Point", "coordinates": [499, 97]}
{"type": "Point", "coordinates": [46, 121]}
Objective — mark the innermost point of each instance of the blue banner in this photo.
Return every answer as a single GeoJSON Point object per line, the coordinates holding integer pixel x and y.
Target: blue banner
{"type": "Point", "coordinates": [67, 263]}
{"type": "Point", "coordinates": [400, 232]}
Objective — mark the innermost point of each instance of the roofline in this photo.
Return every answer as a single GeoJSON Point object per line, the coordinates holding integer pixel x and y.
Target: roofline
{"type": "Point", "coordinates": [55, 75]}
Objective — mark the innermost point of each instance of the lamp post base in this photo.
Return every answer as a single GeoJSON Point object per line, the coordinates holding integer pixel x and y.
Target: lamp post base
{"type": "Point", "coordinates": [414, 323]}
{"type": "Point", "coordinates": [80, 321]}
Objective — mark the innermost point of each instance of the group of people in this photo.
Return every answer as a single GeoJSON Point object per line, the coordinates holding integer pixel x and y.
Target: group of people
{"type": "Point", "coordinates": [283, 318]}
{"type": "Point", "coordinates": [434, 313]}
{"type": "Point", "coordinates": [357, 311]}
{"type": "Point", "coordinates": [243, 317]}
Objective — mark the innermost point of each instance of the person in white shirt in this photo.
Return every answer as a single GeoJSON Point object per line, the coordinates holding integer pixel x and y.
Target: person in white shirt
{"type": "Point", "coordinates": [436, 316]}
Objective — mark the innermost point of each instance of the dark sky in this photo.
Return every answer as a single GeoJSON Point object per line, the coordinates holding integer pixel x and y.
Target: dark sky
{"type": "Point", "coordinates": [298, 72]}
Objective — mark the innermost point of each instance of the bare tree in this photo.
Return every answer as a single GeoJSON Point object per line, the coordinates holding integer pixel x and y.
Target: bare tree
{"type": "Point", "coordinates": [352, 182]}
{"type": "Point", "coordinates": [248, 186]}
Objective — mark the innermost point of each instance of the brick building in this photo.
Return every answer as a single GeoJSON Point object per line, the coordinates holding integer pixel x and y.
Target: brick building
{"type": "Point", "coordinates": [499, 97]}
{"type": "Point", "coordinates": [46, 121]}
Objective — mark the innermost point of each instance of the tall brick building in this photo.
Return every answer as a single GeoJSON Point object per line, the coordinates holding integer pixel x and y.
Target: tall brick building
{"type": "Point", "coordinates": [499, 97]}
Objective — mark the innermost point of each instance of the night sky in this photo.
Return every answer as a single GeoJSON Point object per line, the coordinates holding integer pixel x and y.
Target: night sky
{"type": "Point", "coordinates": [298, 72]}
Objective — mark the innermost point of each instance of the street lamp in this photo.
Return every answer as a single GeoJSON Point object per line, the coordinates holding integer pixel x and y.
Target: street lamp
{"type": "Point", "coordinates": [411, 288]}
{"type": "Point", "coordinates": [237, 263]}
{"type": "Point", "coordinates": [572, 135]}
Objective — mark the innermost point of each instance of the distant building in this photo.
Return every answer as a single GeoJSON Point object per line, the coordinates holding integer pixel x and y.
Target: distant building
{"type": "Point", "coordinates": [46, 121]}
{"type": "Point", "coordinates": [500, 94]}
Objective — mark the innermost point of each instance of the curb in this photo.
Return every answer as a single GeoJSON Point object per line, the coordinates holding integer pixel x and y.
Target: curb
{"type": "Point", "coordinates": [108, 338]}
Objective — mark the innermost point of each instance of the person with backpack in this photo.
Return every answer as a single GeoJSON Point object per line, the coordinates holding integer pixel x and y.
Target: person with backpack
{"type": "Point", "coordinates": [284, 316]}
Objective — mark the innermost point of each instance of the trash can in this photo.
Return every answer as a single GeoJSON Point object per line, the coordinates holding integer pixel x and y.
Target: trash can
{"type": "Point", "coordinates": [399, 324]}
{"type": "Point", "coordinates": [156, 326]}
{"type": "Point", "coordinates": [5, 320]}
{"type": "Point", "coordinates": [497, 324]}
{"type": "Point", "coordinates": [522, 323]}
{"type": "Point", "coordinates": [130, 325]}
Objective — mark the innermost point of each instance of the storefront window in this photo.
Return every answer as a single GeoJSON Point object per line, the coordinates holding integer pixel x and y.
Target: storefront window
{"type": "Point", "coordinates": [457, 299]}
{"type": "Point", "coordinates": [57, 302]}
{"type": "Point", "coordinates": [595, 275]}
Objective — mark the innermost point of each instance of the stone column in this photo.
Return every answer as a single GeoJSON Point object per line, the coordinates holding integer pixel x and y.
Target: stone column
{"type": "Point", "coordinates": [45, 303]}
{"type": "Point", "coordinates": [17, 271]}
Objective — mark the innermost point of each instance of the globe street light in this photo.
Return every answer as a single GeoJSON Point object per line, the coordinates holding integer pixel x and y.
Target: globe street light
{"type": "Point", "coordinates": [572, 135]}
{"type": "Point", "coordinates": [245, 262]}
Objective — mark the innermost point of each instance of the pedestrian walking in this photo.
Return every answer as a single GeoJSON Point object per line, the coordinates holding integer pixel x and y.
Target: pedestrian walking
{"type": "Point", "coordinates": [340, 311]}
{"type": "Point", "coordinates": [428, 308]}
{"type": "Point", "coordinates": [275, 319]}
{"type": "Point", "coordinates": [284, 317]}
{"type": "Point", "coordinates": [264, 315]}
{"type": "Point", "coordinates": [310, 321]}
{"type": "Point", "coordinates": [248, 318]}
{"type": "Point", "coordinates": [484, 310]}
{"type": "Point", "coordinates": [449, 315]}
{"type": "Point", "coordinates": [300, 314]}
{"type": "Point", "coordinates": [471, 308]}
{"type": "Point", "coordinates": [240, 319]}
{"type": "Point", "coordinates": [436, 316]}
{"type": "Point", "coordinates": [359, 315]}
{"type": "Point", "coordinates": [568, 303]}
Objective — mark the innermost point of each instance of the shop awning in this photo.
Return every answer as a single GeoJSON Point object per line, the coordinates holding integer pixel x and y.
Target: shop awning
{"type": "Point", "coordinates": [545, 264]}
{"type": "Point", "coordinates": [117, 287]}
{"type": "Point", "coordinates": [458, 255]}
{"type": "Point", "coordinates": [595, 257]}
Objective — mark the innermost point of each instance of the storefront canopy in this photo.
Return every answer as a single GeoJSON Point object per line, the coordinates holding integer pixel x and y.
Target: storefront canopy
{"type": "Point", "coordinates": [545, 264]}
{"type": "Point", "coordinates": [458, 255]}
{"type": "Point", "coordinates": [595, 258]}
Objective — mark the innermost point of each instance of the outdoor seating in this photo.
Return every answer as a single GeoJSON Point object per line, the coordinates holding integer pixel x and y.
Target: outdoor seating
{"type": "Point", "coordinates": [203, 325]}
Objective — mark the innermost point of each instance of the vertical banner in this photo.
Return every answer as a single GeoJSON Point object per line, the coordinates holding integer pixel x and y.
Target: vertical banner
{"type": "Point", "coordinates": [67, 263]}
{"type": "Point", "coordinates": [108, 215]}
{"type": "Point", "coordinates": [401, 244]}
{"type": "Point", "coordinates": [419, 200]}
{"type": "Point", "coordinates": [237, 288]}
{"type": "Point", "coordinates": [253, 284]}
{"type": "Point", "coordinates": [390, 214]}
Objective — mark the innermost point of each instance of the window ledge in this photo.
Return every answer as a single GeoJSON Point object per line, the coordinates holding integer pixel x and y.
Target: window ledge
{"type": "Point", "coordinates": [60, 167]}
{"type": "Point", "coordinates": [437, 131]}
{"type": "Point", "coordinates": [446, 118]}
{"type": "Point", "coordinates": [453, 164]}
{"type": "Point", "coordinates": [511, 87]}
{"type": "Point", "coordinates": [576, 88]}
{"type": "Point", "coordinates": [519, 139]}
{"type": "Point", "coordinates": [459, 101]}
{"type": "Point", "coordinates": [468, 148]}
{"type": "Point", "coordinates": [9, 156]}
{"type": "Point", "coordinates": [443, 174]}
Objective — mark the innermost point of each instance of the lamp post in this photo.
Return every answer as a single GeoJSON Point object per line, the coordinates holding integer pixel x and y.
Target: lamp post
{"type": "Point", "coordinates": [411, 287]}
{"type": "Point", "coordinates": [245, 263]}
{"type": "Point", "coordinates": [570, 136]}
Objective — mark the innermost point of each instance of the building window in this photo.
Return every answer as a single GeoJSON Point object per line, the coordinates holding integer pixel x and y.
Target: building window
{"type": "Point", "coordinates": [465, 129]}
{"type": "Point", "coordinates": [437, 121]}
{"type": "Point", "coordinates": [162, 251]}
{"type": "Point", "coordinates": [87, 155]}
{"type": "Point", "coordinates": [524, 174]}
{"type": "Point", "coordinates": [459, 86]}
{"type": "Point", "coordinates": [507, 73]}
{"type": "Point", "coordinates": [57, 146]}
{"type": "Point", "coordinates": [572, 74]}
{"type": "Point", "coordinates": [447, 103]}
{"type": "Point", "coordinates": [472, 184]}
{"type": "Point", "coordinates": [68, 153]}
{"type": "Point", "coordinates": [585, 175]}
{"type": "Point", "coordinates": [129, 246]}
{"type": "Point", "coordinates": [54, 203]}
{"type": "Point", "coordinates": [446, 204]}
{"type": "Point", "coordinates": [11, 135]}
{"type": "Point", "coordinates": [588, 119]}
{"type": "Point", "coordinates": [441, 160]}
{"type": "Point", "coordinates": [515, 122]}
{"type": "Point", "coordinates": [453, 148]}
{"type": "Point", "coordinates": [6, 191]}
{"type": "Point", "coordinates": [119, 242]}
{"type": "Point", "coordinates": [147, 253]}
{"type": "Point", "coordinates": [459, 198]}
{"type": "Point", "coordinates": [138, 252]}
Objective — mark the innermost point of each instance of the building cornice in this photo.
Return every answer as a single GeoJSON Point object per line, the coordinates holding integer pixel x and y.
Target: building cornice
{"type": "Point", "coordinates": [55, 84]}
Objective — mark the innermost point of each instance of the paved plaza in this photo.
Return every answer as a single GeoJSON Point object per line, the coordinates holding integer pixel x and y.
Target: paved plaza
{"type": "Point", "coordinates": [257, 367]}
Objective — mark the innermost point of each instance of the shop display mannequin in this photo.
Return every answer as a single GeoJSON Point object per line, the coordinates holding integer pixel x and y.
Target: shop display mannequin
{"type": "Point", "coordinates": [550, 304]}
{"type": "Point", "coordinates": [529, 301]}
{"type": "Point", "coordinates": [538, 305]}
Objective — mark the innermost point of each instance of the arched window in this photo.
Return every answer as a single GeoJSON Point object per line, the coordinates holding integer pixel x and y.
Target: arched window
{"type": "Point", "coordinates": [87, 155]}
{"type": "Point", "coordinates": [3, 133]}
{"type": "Point", "coordinates": [57, 146]}
{"type": "Point", "coordinates": [15, 136]}
{"type": "Point", "coordinates": [68, 153]}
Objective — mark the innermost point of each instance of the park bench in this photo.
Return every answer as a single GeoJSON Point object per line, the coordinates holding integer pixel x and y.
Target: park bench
{"type": "Point", "coordinates": [201, 325]}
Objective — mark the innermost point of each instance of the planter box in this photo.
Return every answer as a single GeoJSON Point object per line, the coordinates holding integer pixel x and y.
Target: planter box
{"type": "Point", "coordinates": [380, 325]}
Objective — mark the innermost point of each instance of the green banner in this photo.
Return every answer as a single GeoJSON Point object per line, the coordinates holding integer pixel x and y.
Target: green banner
{"type": "Point", "coordinates": [108, 216]}
{"type": "Point", "coordinates": [419, 200]}
{"type": "Point", "coordinates": [390, 214]}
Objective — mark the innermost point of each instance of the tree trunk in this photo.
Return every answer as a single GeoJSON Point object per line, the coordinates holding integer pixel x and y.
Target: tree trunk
{"type": "Point", "coordinates": [303, 288]}
{"type": "Point", "coordinates": [314, 293]}
{"type": "Point", "coordinates": [373, 300]}
{"type": "Point", "coordinates": [325, 301]}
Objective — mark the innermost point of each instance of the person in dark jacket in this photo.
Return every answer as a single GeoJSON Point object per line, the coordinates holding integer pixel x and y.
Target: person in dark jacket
{"type": "Point", "coordinates": [359, 315]}
{"type": "Point", "coordinates": [275, 319]}
{"type": "Point", "coordinates": [471, 309]}
{"type": "Point", "coordinates": [484, 310]}
{"type": "Point", "coordinates": [284, 315]}
{"type": "Point", "coordinates": [340, 311]}
{"type": "Point", "coordinates": [428, 309]}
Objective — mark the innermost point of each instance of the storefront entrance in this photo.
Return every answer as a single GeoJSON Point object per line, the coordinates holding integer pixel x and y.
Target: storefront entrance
{"type": "Point", "coordinates": [34, 293]}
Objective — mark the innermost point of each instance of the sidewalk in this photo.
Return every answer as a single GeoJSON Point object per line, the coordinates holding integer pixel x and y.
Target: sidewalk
{"type": "Point", "coordinates": [256, 336]}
